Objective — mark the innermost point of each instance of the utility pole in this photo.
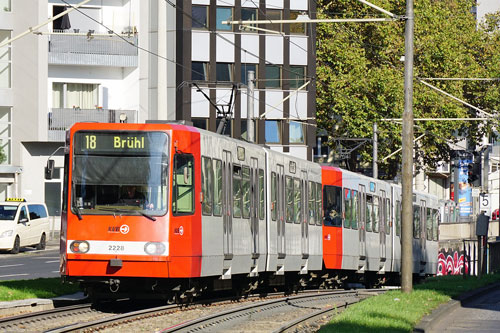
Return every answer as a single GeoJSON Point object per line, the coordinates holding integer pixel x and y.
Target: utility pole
{"type": "Point", "coordinates": [375, 151]}
{"type": "Point", "coordinates": [407, 145]}
{"type": "Point", "coordinates": [250, 91]}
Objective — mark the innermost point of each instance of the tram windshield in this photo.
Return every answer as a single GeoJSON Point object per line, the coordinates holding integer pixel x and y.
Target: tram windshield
{"type": "Point", "coordinates": [119, 173]}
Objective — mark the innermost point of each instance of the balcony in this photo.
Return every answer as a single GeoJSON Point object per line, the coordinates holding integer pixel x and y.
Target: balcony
{"type": "Point", "coordinates": [59, 120]}
{"type": "Point", "coordinates": [89, 49]}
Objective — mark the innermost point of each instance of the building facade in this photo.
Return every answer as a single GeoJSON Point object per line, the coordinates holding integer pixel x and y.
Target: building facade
{"type": "Point", "coordinates": [134, 61]}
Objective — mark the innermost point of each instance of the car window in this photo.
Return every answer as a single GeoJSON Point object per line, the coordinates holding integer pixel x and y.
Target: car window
{"type": "Point", "coordinates": [37, 211]}
{"type": "Point", "coordinates": [8, 213]}
{"type": "Point", "coordinates": [23, 214]}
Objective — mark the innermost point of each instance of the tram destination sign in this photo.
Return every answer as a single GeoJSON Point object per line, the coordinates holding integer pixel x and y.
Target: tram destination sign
{"type": "Point", "coordinates": [119, 142]}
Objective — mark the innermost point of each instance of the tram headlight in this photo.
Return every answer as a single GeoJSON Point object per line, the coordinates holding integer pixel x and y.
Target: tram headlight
{"type": "Point", "coordinates": [154, 248]}
{"type": "Point", "coordinates": [79, 247]}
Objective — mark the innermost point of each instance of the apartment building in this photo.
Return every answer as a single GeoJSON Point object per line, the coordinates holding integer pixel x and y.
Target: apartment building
{"type": "Point", "coordinates": [134, 61]}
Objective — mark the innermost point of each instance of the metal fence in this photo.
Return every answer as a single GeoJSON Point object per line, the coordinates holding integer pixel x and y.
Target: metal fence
{"type": "Point", "coordinates": [59, 120]}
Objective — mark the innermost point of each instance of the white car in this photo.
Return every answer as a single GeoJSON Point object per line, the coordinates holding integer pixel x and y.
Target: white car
{"type": "Point", "coordinates": [23, 224]}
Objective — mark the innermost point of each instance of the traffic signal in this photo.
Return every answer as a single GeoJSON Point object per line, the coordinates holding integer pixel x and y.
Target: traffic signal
{"type": "Point", "coordinates": [474, 173]}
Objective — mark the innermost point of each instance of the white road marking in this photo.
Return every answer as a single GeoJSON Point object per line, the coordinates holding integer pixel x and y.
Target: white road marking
{"type": "Point", "coordinates": [55, 272]}
{"type": "Point", "coordinates": [46, 258]}
{"type": "Point", "coordinates": [10, 275]}
{"type": "Point", "coordinates": [12, 265]}
{"type": "Point", "coordinates": [51, 261]}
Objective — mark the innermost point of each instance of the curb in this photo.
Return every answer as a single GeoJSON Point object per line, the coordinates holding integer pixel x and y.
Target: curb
{"type": "Point", "coordinates": [40, 304]}
{"type": "Point", "coordinates": [429, 322]}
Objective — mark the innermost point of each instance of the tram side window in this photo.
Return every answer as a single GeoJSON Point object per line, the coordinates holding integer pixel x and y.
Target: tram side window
{"type": "Point", "coordinates": [207, 185]}
{"type": "Point", "coordinates": [376, 214]}
{"type": "Point", "coordinates": [274, 188]}
{"type": "Point", "coordinates": [311, 188]}
{"type": "Point", "coordinates": [398, 218]}
{"type": "Point", "coordinates": [245, 187]}
{"type": "Point", "coordinates": [369, 211]}
{"type": "Point", "coordinates": [289, 199]}
{"type": "Point", "coordinates": [436, 217]}
{"type": "Point", "coordinates": [388, 216]}
{"type": "Point", "coordinates": [332, 206]}
{"type": "Point", "coordinates": [183, 184]}
{"type": "Point", "coordinates": [428, 229]}
{"type": "Point", "coordinates": [355, 209]}
{"type": "Point", "coordinates": [262, 200]}
{"type": "Point", "coordinates": [416, 221]}
{"type": "Point", "coordinates": [297, 192]}
{"type": "Point", "coordinates": [218, 188]}
{"type": "Point", "coordinates": [236, 191]}
{"type": "Point", "coordinates": [347, 208]}
{"type": "Point", "coordinates": [319, 217]}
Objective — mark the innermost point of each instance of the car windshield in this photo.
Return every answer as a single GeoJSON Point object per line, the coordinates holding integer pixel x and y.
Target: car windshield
{"type": "Point", "coordinates": [8, 213]}
{"type": "Point", "coordinates": [121, 173]}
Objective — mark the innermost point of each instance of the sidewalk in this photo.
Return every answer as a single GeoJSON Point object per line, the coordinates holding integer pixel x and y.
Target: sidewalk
{"type": "Point", "coordinates": [456, 315]}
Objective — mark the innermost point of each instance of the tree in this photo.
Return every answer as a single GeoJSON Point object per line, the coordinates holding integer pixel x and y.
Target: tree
{"type": "Point", "coordinates": [360, 75]}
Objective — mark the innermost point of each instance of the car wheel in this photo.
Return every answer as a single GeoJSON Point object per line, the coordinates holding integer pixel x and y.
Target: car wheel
{"type": "Point", "coordinates": [42, 244]}
{"type": "Point", "coordinates": [16, 247]}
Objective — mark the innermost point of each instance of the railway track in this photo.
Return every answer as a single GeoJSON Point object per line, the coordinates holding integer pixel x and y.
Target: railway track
{"type": "Point", "coordinates": [275, 313]}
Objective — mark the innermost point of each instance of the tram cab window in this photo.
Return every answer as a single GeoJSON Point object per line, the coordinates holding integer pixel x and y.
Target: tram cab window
{"type": "Point", "coordinates": [183, 184]}
{"type": "Point", "coordinates": [332, 206]}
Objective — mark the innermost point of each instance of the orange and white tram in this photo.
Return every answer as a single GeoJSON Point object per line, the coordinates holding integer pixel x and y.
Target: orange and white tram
{"type": "Point", "coordinates": [171, 210]}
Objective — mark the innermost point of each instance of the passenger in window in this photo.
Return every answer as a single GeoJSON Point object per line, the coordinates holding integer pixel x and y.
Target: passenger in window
{"type": "Point", "coordinates": [333, 219]}
{"type": "Point", "coordinates": [132, 197]}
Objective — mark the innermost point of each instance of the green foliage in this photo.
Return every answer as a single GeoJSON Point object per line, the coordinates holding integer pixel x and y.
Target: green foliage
{"type": "Point", "coordinates": [395, 311]}
{"type": "Point", "coordinates": [361, 76]}
{"type": "Point", "coordinates": [37, 288]}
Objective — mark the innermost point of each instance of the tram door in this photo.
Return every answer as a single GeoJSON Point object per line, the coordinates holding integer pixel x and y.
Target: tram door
{"type": "Point", "coordinates": [304, 216]}
{"type": "Point", "coordinates": [281, 211]}
{"type": "Point", "coordinates": [227, 203]}
{"type": "Point", "coordinates": [362, 221]}
{"type": "Point", "coordinates": [383, 223]}
{"type": "Point", "coordinates": [254, 206]}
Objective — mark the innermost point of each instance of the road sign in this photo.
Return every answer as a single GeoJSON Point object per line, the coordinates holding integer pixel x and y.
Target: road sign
{"type": "Point", "coordinates": [484, 203]}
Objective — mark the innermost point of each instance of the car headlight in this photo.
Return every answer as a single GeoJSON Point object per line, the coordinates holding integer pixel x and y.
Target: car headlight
{"type": "Point", "coordinates": [154, 248]}
{"type": "Point", "coordinates": [79, 247]}
{"type": "Point", "coordinates": [7, 233]}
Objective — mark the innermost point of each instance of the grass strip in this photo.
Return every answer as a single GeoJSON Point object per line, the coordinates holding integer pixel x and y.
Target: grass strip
{"type": "Point", "coordinates": [37, 288]}
{"type": "Point", "coordinates": [395, 311]}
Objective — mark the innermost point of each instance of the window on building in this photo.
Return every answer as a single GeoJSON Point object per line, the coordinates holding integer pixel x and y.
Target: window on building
{"type": "Point", "coordinates": [200, 122]}
{"type": "Point", "coordinates": [224, 14]}
{"type": "Point", "coordinates": [5, 60]}
{"type": "Point", "coordinates": [244, 129]}
{"type": "Point", "coordinates": [249, 14]}
{"type": "Point", "coordinates": [273, 131]}
{"type": "Point", "coordinates": [297, 132]}
{"type": "Point", "coordinates": [273, 14]}
{"type": "Point", "coordinates": [297, 76]}
{"type": "Point", "coordinates": [53, 198]}
{"type": "Point", "coordinates": [5, 5]}
{"type": "Point", "coordinates": [199, 17]}
{"type": "Point", "coordinates": [244, 72]}
{"type": "Point", "coordinates": [199, 71]}
{"type": "Point", "coordinates": [273, 76]}
{"type": "Point", "coordinates": [6, 134]}
{"type": "Point", "coordinates": [75, 95]}
{"type": "Point", "coordinates": [297, 28]}
{"type": "Point", "coordinates": [224, 71]}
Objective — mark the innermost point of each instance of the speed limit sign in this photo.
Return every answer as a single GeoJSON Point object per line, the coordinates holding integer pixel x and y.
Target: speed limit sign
{"type": "Point", "coordinates": [484, 203]}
